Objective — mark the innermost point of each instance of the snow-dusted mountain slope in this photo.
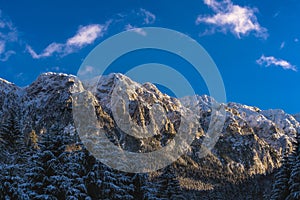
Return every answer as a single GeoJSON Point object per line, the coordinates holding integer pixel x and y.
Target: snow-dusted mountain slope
{"type": "Point", "coordinates": [250, 147]}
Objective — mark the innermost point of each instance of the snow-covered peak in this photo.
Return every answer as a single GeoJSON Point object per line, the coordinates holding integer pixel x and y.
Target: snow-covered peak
{"type": "Point", "coordinates": [297, 117]}
{"type": "Point", "coordinates": [244, 108]}
{"type": "Point", "coordinates": [282, 119]}
{"type": "Point", "coordinates": [52, 77]}
{"type": "Point", "coordinates": [146, 92]}
{"type": "Point", "coordinates": [53, 74]}
{"type": "Point", "coordinates": [5, 81]}
{"type": "Point", "coordinates": [275, 127]}
{"type": "Point", "coordinates": [51, 81]}
{"type": "Point", "coordinates": [6, 86]}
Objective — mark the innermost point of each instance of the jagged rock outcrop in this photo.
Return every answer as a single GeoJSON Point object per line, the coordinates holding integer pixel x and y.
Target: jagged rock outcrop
{"type": "Point", "coordinates": [57, 165]}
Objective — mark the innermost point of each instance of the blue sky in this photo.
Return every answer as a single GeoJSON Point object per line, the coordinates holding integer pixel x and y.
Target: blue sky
{"type": "Point", "coordinates": [255, 44]}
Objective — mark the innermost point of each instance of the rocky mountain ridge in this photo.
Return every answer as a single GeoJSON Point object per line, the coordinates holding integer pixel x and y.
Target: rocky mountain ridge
{"type": "Point", "coordinates": [250, 147]}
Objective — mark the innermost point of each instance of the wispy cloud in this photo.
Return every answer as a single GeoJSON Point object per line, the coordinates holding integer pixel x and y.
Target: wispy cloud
{"type": "Point", "coordinates": [282, 45]}
{"type": "Point", "coordinates": [54, 69]}
{"type": "Point", "coordinates": [86, 70]}
{"type": "Point", "coordinates": [8, 35]}
{"type": "Point", "coordinates": [240, 21]}
{"type": "Point", "coordinates": [140, 31]}
{"type": "Point", "coordinates": [48, 51]}
{"type": "Point", "coordinates": [276, 14]}
{"type": "Point", "coordinates": [272, 61]}
{"type": "Point", "coordinates": [140, 17]}
{"type": "Point", "coordinates": [85, 35]}
{"type": "Point", "coordinates": [6, 55]}
{"type": "Point", "coordinates": [149, 18]}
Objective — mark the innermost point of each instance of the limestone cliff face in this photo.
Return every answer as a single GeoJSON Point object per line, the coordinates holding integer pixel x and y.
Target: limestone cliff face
{"type": "Point", "coordinates": [251, 143]}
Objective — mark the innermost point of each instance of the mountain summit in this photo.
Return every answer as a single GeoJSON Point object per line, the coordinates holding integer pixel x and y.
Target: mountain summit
{"type": "Point", "coordinates": [43, 157]}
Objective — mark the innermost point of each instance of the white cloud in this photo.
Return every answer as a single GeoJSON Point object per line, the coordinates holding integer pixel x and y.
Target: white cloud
{"type": "Point", "coordinates": [149, 18]}
{"type": "Point", "coordinates": [140, 31]}
{"type": "Point", "coordinates": [272, 61]}
{"type": "Point", "coordinates": [8, 35]}
{"type": "Point", "coordinates": [85, 35]}
{"type": "Point", "coordinates": [229, 17]}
